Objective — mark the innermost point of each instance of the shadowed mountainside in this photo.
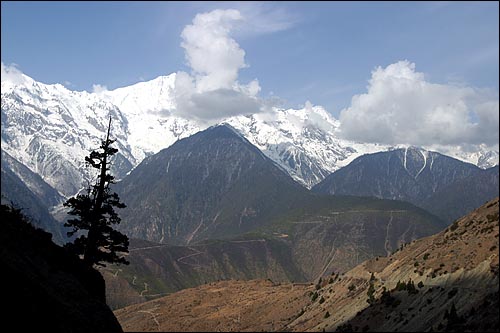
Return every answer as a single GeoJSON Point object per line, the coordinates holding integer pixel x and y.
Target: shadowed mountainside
{"type": "Point", "coordinates": [444, 186]}
{"type": "Point", "coordinates": [46, 288]}
{"type": "Point", "coordinates": [214, 184]}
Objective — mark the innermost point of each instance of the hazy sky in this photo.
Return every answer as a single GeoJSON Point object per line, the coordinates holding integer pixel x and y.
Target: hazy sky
{"type": "Point", "coordinates": [318, 51]}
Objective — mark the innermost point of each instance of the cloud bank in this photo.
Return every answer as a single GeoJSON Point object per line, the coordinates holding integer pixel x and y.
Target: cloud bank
{"type": "Point", "coordinates": [401, 107]}
{"type": "Point", "coordinates": [212, 90]}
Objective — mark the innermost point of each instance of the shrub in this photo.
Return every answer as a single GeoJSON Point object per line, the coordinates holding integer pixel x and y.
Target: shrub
{"type": "Point", "coordinates": [491, 217]}
{"type": "Point", "coordinates": [400, 286]}
{"type": "Point", "coordinates": [371, 291]}
{"type": "Point", "coordinates": [410, 287]}
{"type": "Point", "coordinates": [454, 226]}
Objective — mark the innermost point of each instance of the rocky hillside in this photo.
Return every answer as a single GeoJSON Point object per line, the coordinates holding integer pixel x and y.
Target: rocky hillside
{"type": "Point", "coordinates": [455, 271]}
{"type": "Point", "coordinates": [45, 288]}
{"type": "Point", "coordinates": [444, 282]}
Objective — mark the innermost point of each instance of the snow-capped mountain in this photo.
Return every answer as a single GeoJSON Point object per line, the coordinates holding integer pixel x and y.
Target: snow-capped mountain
{"type": "Point", "coordinates": [483, 158]}
{"type": "Point", "coordinates": [303, 142]}
{"type": "Point", "coordinates": [50, 129]}
{"type": "Point", "coordinates": [148, 107]}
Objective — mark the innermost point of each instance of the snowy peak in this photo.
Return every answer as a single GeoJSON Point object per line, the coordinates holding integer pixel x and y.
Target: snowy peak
{"type": "Point", "coordinates": [50, 129]}
{"type": "Point", "coordinates": [148, 107]}
{"type": "Point", "coordinates": [151, 96]}
{"type": "Point", "coordinates": [488, 159]}
{"type": "Point", "coordinates": [295, 139]}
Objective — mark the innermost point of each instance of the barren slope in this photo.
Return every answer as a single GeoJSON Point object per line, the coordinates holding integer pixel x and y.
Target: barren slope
{"type": "Point", "coordinates": [257, 305]}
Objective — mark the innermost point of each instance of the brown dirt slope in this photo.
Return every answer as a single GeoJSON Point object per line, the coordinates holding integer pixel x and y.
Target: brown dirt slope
{"type": "Point", "coordinates": [256, 305]}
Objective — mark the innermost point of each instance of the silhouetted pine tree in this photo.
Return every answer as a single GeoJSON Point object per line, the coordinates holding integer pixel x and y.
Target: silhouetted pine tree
{"type": "Point", "coordinates": [95, 213]}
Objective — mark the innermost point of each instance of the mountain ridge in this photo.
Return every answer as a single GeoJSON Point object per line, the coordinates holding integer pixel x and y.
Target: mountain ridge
{"type": "Point", "coordinates": [203, 181]}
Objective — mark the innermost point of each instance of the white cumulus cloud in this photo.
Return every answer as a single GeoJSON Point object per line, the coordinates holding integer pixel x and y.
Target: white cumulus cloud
{"type": "Point", "coordinates": [402, 107]}
{"type": "Point", "coordinates": [12, 74]}
{"type": "Point", "coordinates": [212, 91]}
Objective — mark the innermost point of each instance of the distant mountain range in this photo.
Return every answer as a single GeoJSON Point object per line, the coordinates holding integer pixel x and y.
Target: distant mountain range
{"type": "Point", "coordinates": [443, 185]}
{"type": "Point", "coordinates": [49, 129]}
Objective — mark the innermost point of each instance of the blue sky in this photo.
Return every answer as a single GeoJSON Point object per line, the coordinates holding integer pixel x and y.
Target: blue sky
{"type": "Point", "coordinates": [324, 52]}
